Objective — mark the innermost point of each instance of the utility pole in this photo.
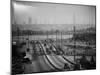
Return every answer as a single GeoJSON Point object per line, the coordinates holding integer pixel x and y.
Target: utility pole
{"type": "Point", "coordinates": [74, 44]}
{"type": "Point", "coordinates": [30, 20]}
{"type": "Point", "coordinates": [47, 35]}
{"type": "Point", "coordinates": [61, 39]}
{"type": "Point", "coordinates": [18, 35]}
{"type": "Point", "coordinates": [56, 38]}
{"type": "Point", "coordinates": [18, 30]}
{"type": "Point", "coordinates": [74, 37]}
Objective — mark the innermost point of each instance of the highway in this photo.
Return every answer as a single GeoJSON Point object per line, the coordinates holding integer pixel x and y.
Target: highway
{"type": "Point", "coordinates": [46, 62]}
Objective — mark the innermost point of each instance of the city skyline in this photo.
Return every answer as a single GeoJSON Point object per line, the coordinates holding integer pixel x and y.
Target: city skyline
{"type": "Point", "coordinates": [52, 16]}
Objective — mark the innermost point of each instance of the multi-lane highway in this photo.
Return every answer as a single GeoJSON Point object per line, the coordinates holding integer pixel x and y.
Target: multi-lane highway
{"type": "Point", "coordinates": [46, 62]}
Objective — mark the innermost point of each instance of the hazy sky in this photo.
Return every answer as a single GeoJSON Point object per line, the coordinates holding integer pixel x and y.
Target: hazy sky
{"type": "Point", "coordinates": [54, 14]}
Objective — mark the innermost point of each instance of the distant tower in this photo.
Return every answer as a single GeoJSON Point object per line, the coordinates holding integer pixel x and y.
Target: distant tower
{"type": "Point", "coordinates": [29, 20]}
